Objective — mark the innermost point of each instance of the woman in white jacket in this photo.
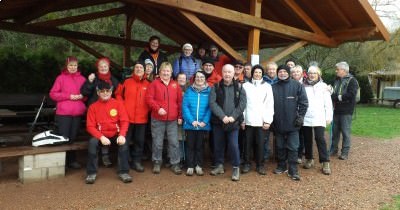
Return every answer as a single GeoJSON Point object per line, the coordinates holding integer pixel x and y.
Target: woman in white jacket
{"type": "Point", "coordinates": [319, 115]}
{"type": "Point", "coordinates": [258, 116]}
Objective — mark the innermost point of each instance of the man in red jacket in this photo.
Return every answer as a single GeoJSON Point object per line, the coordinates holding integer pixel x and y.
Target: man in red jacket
{"type": "Point", "coordinates": [164, 97]}
{"type": "Point", "coordinates": [107, 122]}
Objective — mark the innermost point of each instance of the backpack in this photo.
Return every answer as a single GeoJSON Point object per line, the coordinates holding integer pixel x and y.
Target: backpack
{"type": "Point", "coordinates": [358, 95]}
{"type": "Point", "coordinates": [180, 63]}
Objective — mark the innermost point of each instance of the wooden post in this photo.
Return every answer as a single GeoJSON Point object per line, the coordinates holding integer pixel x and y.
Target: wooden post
{"type": "Point", "coordinates": [128, 37]}
{"type": "Point", "coordinates": [254, 34]}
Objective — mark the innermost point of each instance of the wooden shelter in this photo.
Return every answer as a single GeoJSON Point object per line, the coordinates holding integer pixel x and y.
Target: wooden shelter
{"type": "Point", "coordinates": [231, 24]}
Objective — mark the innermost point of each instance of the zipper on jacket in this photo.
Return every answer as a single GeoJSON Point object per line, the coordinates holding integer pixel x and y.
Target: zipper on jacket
{"type": "Point", "coordinates": [198, 107]}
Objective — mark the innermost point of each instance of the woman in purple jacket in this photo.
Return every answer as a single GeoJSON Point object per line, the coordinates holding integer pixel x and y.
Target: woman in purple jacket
{"type": "Point", "coordinates": [70, 106]}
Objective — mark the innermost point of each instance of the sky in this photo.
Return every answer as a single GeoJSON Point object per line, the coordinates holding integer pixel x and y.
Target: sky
{"type": "Point", "coordinates": [388, 11]}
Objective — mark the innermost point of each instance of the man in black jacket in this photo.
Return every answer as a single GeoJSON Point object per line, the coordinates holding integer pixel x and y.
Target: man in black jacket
{"type": "Point", "coordinates": [344, 100]}
{"type": "Point", "coordinates": [290, 105]}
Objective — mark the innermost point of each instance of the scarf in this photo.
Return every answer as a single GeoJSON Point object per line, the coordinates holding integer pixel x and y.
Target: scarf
{"type": "Point", "coordinates": [311, 82]}
{"type": "Point", "coordinates": [199, 88]}
{"type": "Point", "coordinates": [105, 77]}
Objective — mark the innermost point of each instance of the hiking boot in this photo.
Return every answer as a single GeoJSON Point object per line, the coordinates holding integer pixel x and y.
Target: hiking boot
{"type": "Point", "coordinates": [343, 157]}
{"type": "Point", "coordinates": [199, 171]}
{"type": "Point", "coordinates": [261, 170]}
{"type": "Point", "coordinates": [326, 169]}
{"type": "Point", "coordinates": [235, 174]}
{"type": "Point", "coordinates": [309, 163]}
{"type": "Point", "coordinates": [217, 170]}
{"type": "Point", "coordinates": [125, 178]}
{"type": "Point", "coordinates": [90, 179]}
{"type": "Point", "coordinates": [156, 167]}
{"type": "Point", "coordinates": [137, 166]}
{"type": "Point", "coordinates": [299, 161]}
{"type": "Point", "coordinates": [280, 170]}
{"type": "Point", "coordinates": [295, 177]}
{"type": "Point", "coordinates": [176, 169]}
{"type": "Point", "coordinates": [189, 172]}
{"type": "Point", "coordinates": [106, 161]}
{"type": "Point", "coordinates": [74, 165]}
{"type": "Point", "coordinates": [246, 168]}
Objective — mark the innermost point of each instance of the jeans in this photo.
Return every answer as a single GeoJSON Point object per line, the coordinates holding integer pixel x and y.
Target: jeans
{"type": "Point", "coordinates": [123, 153]}
{"type": "Point", "coordinates": [158, 129]}
{"type": "Point", "coordinates": [136, 136]}
{"type": "Point", "coordinates": [287, 145]}
{"type": "Point", "coordinates": [254, 136]}
{"type": "Point", "coordinates": [68, 126]}
{"type": "Point", "coordinates": [195, 148]}
{"type": "Point", "coordinates": [341, 124]}
{"type": "Point", "coordinates": [319, 139]}
{"type": "Point", "coordinates": [267, 150]}
{"type": "Point", "coordinates": [219, 145]}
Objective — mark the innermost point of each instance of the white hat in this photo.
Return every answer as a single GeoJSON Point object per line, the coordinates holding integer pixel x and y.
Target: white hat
{"type": "Point", "coordinates": [187, 45]}
{"type": "Point", "coordinates": [148, 61]}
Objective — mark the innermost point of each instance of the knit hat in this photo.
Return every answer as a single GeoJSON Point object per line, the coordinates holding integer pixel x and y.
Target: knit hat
{"type": "Point", "coordinates": [187, 45]}
{"type": "Point", "coordinates": [238, 62]}
{"type": "Point", "coordinates": [208, 60]}
{"type": "Point", "coordinates": [283, 67]}
{"type": "Point", "coordinates": [148, 61]}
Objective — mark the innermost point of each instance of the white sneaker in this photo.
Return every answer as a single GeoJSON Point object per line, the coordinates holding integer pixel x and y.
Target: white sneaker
{"type": "Point", "coordinates": [189, 172]}
{"type": "Point", "coordinates": [199, 171]}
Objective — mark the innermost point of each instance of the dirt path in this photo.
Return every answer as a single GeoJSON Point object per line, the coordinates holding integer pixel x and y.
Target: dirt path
{"type": "Point", "coordinates": [366, 181]}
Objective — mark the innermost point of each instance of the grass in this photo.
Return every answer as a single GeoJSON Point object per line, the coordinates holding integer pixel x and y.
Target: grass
{"type": "Point", "coordinates": [376, 122]}
{"type": "Point", "coordinates": [394, 205]}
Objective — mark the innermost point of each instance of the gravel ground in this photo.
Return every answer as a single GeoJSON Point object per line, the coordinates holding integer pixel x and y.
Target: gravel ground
{"type": "Point", "coordinates": [367, 180]}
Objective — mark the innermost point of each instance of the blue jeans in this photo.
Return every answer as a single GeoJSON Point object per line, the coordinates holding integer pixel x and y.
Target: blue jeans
{"type": "Point", "coordinates": [287, 145]}
{"type": "Point", "coordinates": [123, 153]}
{"type": "Point", "coordinates": [220, 137]}
{"type": "Point", "coordinates": [341, 124]}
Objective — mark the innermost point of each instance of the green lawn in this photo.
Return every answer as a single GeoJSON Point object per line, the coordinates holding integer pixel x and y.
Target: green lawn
{"type": "Point", "coordinates": [376, 122]}
{"type": "Point", "coordinates": [393, 206]}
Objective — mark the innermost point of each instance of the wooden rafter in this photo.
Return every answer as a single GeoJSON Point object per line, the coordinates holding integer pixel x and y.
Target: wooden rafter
{"type": "Point", "coordinates": [235, 17]}
{"type": "Point", "coordinates": [288, 50]}
{"type": "Point", "coordinates": [40, 30]}
{"type": "Point", "coordinates": [80, 18]}
{"type": "Point", "coordinates": [346, 35]}
{"type": "Point", "coordinates": [371, 14]}
{"type": "Point", "coordinates": [210, 33]}
{"type": "Point", "coordinates": [92, 52]}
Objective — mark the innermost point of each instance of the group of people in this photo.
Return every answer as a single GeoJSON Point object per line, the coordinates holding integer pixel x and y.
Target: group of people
{"type": "Point", "coordinates": [233, 105]}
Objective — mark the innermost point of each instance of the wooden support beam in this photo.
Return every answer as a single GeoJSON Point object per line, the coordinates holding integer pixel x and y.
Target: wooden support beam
{"type": "Point", "coordinates": [374, 17]}
{"type": "Point", "coordinates": [254, 34]}
{"type": "Point", "coordinates": [80, 18]}
{"type": "Point", "coordinates": [93, 52]}
{"type": "Point", "coordinates": [213, 36]}
{"type": "Point", "coordinates": [238, 18]}
{"type": "Point", "coordinates": [128, 36]}
{"type": "Point", "coordinates": [349, 34]}
{"type": "Point", "coordinates": [285, 52]}
{"type": "Point", "coordinates": [40, 30]}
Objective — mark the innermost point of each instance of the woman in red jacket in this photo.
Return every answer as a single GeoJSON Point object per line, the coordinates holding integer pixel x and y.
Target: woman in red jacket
{"type": "Point", "coordinates": [133, 92]}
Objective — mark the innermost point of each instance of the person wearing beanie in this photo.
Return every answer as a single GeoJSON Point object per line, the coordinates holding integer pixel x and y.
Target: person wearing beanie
{"type": "Point", "coordinates": [239, 68]}
{"type": "Point", "coordinates": [212, 76]}
{"type": "Point", "coordinates": [107, 123]}
{"type": "Point", "coordinates": [132, 93]}
{"type": "Point", "coordinates": [153, 52]}
{"type": "Point", "coordinates": [186, 63]}
{"type": "Point", "coordinates": [88, 90]}
{"type": "Point", "coordinates": [70, 106]}
{"type": "Point", "coordinates": [290, 106]}
{"type": "Point", "coordinates": [258, 116]}
{"type": "Point", "coordinates": [319, 114]}
{"type": "Point", "coordinates": [148, 70]}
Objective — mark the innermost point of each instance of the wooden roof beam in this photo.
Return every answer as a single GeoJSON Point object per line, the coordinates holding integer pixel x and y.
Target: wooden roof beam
{"type": "Point", "coordinates": [80, 18]}
{"type": "Point", "coordinates": [216, 12]}
{"type": "Point", "coordinates": [92, 51]}
{"type": "Point", "coordinates": [40, 30]}
{"type": "Point", "coordinates": [288, 50]}
{"type": "Point", "coordinates": [346, 35]}
{"type": "Point", "coordinates": [374, 17]}
{"type": "Point", "coordinates": [213, 36]}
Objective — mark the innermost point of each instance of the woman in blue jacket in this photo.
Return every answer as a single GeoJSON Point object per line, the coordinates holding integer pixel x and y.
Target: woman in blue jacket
{"type": "Point", "coordinates": [196, 115]}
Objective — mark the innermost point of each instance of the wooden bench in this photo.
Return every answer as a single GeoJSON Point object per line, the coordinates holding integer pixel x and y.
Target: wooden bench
{"type": "Point", "coordinates": [41, 163]}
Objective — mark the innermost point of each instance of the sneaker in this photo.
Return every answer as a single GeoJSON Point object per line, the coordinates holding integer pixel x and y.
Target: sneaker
{"type": "Point", "coordinates": [217, 170]}
{"type": "Point", "coordinates": [326, 169]}
{"type": "Point", "coordinates": [137, 166]}
{"type": "Point", "coordinates": [235, 174]}
{"type": "Point", "coordinates": [246, 168]}
{"type": "Point", "coordinates": [176, 169]}
{"type": "Point", "coordinates": [125, 178]}
{"type": "Point", "coordinates": [280, 170]}
{"type": "Point", "coordinates": [74, 165]}
{"type": "Point", "coordinates": [189, 172]}
{"type": "Point", "coordinates": [156, 167]}
{"type": "Point", "coordinates": [309, 163]}
{"type": "Point", "coordinates": [299, 161]}
{"type": "Point", "coordinates": [199, 171]}
{"type": "Point", "coordinates": [106, 161]}
{"type": "Point", "coordinates": [295, 177]}
{"type": "Point", "coordinates": [90, 179]}
{"type": "Point", "coordinates": [261, 170]}
{"type": "Point", "coordinates": [343, 157]}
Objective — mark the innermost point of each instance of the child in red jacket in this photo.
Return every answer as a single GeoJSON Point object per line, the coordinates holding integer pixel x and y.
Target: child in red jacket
{"type": "Point", "coordinates": [107, 122]}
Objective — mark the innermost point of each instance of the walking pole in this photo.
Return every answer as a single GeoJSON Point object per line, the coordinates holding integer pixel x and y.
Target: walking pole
{"type": "Point", "coordinates": [36, 117]}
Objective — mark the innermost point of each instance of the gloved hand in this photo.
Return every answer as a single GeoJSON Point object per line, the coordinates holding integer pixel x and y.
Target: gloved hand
{"type": "Point", "coordinates": [298, 122]}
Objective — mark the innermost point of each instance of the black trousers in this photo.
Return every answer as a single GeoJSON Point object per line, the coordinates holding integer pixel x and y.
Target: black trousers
{"type": "Point", "coordinates": [195, 147]}
{"type": "Point", "coordinates": [319, 139]}
{"type": "Point", "coordinates": [254, 144]}
{"type": "Point", "coordinates": [136, 137]}
{"type": "Point", "coordinates": [68, 126]}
